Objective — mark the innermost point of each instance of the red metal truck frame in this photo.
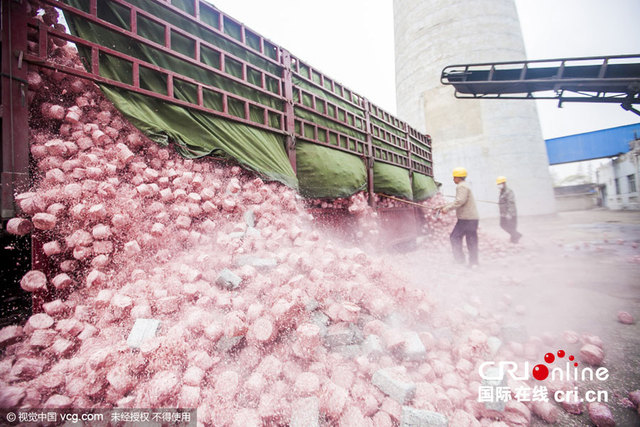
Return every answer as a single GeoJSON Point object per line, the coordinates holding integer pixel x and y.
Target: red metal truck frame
{"type": "Point", "coordinates": [410, 149]}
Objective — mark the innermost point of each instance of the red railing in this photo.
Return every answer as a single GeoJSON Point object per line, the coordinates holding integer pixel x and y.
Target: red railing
{"type": "Point", "coordinates": [349, 122]}
{"type": "Point", "coordinates": [14, 111]}
{"type": "Point", "coordinates": [93, 68]}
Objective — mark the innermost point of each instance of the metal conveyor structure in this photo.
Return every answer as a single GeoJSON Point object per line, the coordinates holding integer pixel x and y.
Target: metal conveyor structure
{"type": "Point", "coordinates": [610, 79]}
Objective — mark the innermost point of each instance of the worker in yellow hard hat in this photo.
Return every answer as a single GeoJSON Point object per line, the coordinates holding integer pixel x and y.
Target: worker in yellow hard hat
{"type": "Point", "coordinates": [467, 225]}
{"type": "Point", "coordinates": [508, 212]}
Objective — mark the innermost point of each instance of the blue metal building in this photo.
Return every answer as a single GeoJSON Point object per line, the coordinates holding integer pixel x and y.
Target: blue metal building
{"type": "Point", "coordinates": [591, 145]}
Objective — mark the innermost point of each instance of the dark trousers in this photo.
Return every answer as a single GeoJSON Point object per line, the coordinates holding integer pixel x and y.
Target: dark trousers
{"type": "Point", "coordinates": [467, 228]}
{"type": "Point", "coordinates": [510, 225]}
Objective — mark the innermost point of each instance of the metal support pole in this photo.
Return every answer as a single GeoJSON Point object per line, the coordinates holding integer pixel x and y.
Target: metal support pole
{"type": "Point", "coordinates": [405, 129]}
{"type": "Point", "coordinates": [627, 104]}
{"type": "Point", "coordinates": [289, 115]}
{"type": "Point", "coordinates": [416, 212]}
{"type": "Point", "coordinates": [15, 114]}
{"type": "Point", "coordinates": [633, 110]}
{"type": "Point", "coordinates": [369, 159]}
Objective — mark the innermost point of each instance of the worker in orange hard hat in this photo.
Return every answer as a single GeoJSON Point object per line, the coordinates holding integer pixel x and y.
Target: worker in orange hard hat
{"type": "Point", "coordinates": [508, 212]}
{"type": "Point", "coordinates": [467, 225]}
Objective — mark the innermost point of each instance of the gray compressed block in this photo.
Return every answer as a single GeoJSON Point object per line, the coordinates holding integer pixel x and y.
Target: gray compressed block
{"type": "Point", "coordinates": [228, 279]}
{"type": "Point", "coordinates": [413, 348]}
{"type": "Point", "coordinates": [321, 320]}
{"type": "Point", "coordinates": [390, 381]}
{"type": "Point", "coordinates": [250, 218]}
{"type": "Point", "coordinates": [142, 329]}
{"type": "Point", "coordinates": [412, 417]}
{"type": "Point", "coordinates": [338, 336]}
{"type": "Point", "coordinates": [494, 378]}
{"type": "Point", "coordinates": [256, 262]}
{"type": "Point", "coordinates": [225, 344]}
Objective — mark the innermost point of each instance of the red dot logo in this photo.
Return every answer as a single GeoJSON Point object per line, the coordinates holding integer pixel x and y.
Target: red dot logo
{"type": "Point", "coordinates": [540, 372]}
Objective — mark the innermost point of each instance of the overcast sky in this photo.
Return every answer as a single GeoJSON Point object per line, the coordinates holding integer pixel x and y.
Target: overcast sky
{"type": "Point", "coordinates": [352, 41]}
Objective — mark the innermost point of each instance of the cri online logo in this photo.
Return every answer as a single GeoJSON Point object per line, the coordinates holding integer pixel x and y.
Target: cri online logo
{"type": "Point", "coordinates": [541, 372]}
{"type": "Point", "coordinates": [495, 371]}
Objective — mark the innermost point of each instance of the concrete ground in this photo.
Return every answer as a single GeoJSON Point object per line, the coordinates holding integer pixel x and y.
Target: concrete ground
{"type": "Point", "coordinates": [571, 271]}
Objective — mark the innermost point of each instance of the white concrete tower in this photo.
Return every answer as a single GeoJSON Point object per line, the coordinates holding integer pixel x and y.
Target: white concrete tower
{"type": "Point", "coordinates": [488, 137]}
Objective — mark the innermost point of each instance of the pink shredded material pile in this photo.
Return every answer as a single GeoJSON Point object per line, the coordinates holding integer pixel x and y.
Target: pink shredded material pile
{"type": "Point", "coordinates": [132, 230]}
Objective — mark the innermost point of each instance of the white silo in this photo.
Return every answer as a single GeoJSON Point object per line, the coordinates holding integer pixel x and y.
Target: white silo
{"type": "Point", "coordinates": [488, 137]}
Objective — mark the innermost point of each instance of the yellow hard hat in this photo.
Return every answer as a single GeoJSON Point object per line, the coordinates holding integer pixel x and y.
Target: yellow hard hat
{"type": "Point", "coordinates": [501, 179]}
{"type": "Point", "coordinates": [459, 172]}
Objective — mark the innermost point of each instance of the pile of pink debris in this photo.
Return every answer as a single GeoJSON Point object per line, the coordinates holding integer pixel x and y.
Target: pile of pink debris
{"type": "Point", "coordinates": [195, 284]}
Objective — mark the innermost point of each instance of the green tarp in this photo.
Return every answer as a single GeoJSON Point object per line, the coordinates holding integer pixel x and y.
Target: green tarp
{"type": "Point", "coordinates": [391, 180]}
{"type": "Point", "coordinates": [328, 173]}
{"type": "Point", "coordinates": [195, 134]}
{"type": "Point", "coordinates": [321, 171]}
{"type": "Point", "coordinates": [423, 187]}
